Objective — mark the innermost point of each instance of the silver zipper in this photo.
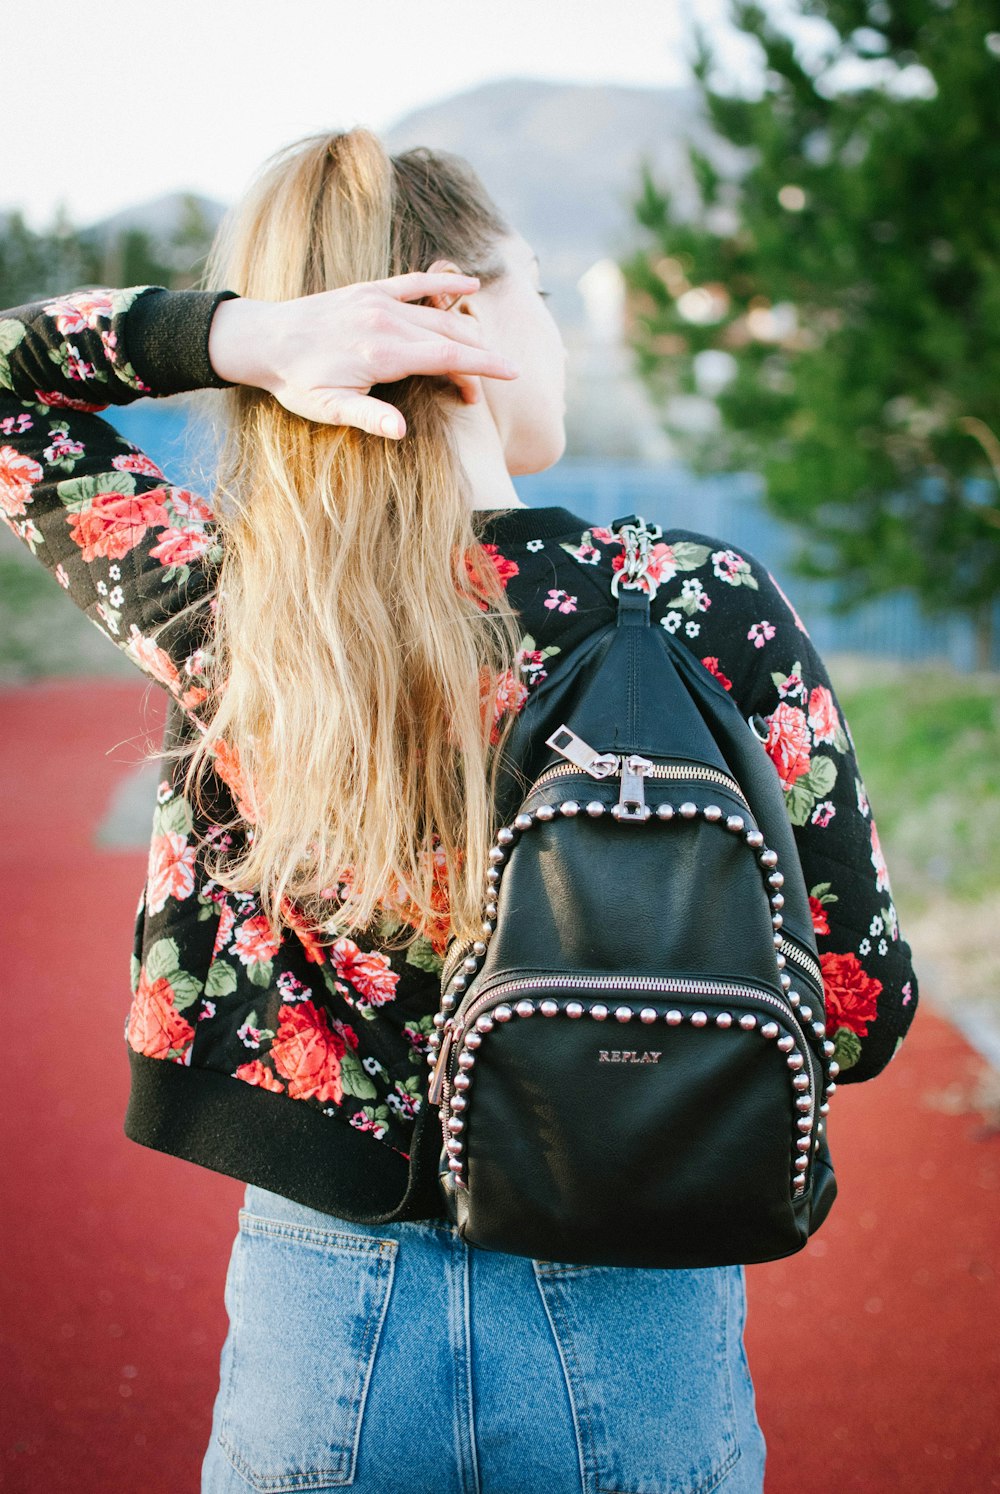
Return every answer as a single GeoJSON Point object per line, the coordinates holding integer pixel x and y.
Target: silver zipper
{"type": "Point", "coordinates": [803, 959]}
{"type": "Point", "coordinates": [677, 772]}
{"type": "Point", "coordinates": [440, 1086]}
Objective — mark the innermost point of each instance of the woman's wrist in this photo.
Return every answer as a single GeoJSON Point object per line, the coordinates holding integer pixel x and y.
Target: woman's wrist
{"type": "Point", "coordinates": [238, 341]}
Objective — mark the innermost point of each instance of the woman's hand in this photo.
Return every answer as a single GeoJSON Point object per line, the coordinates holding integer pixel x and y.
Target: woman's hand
{"type": "Point", "coordinates": [320, 355]}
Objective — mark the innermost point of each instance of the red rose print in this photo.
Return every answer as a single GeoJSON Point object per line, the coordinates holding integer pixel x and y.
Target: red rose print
{"type": "Point", "coordinates": [258, 1073]}
{"type": "Point", "coordinates": [304, 931]}
{"type": "Point", "coordinates": [154, 1026]}
{"type": "Point", "coordinates": [822, 714]}
{"type": "Point", "coordinates": [80, 311]}
{"type": "Point", "coordinates": [170, 872]}
{"type": "Point", "coordinates": [787, 743]}
{"type": "Point", "coordinates": [712, 665]}
{"type": "Point", "coordinates": [138, 462]}
{"type": "Point", "coordinates": [65, 402]}
{"type": "Point", "coordinates": [17, 473]}
{"type": "Point", "coordinates": [820, 922]}
{"type": "Point", "coordinates": [307, 1052]}
{"type": "Point", "coordinates": [112, 524]}
{"type": "Point", "coordinates": [851, 993]}
{"type": "Point", "coordinates": [253, 942]}
{"type": "Point", "coordinates": [182, 546]}
{"type": "Point", "coordinates": [368, 971]}
{"type": "Point", "coordinates": [153, 659]}
{"type": "Point", "coordinates": [228, 768]}
{"type": "Point", "coordinates": [227, 920]}
{"type": "Point", "coordinates": [504, 568]}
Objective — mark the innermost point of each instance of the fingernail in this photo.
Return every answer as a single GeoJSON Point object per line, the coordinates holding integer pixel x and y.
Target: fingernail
{"type": "Point", "coordinates": [390, 425]}
{"type": "Point", "coordinates": [511, 369]}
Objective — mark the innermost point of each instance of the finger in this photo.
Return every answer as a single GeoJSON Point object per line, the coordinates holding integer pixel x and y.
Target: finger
{"type": "Point", "coordinates": [443, 356]}
{"type": "Point", "coordinates": [418, 283]}
{"type": "Point", "coordinates": [360, 410]}
{"type": "Point", "coordinates": [429, 319]}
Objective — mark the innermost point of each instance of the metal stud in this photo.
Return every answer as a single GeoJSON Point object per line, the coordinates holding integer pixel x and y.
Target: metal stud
{"type": "Point", "coordinates": [777, 940]}
{"type": "Point", "coordinates": [780, 961]}
{"type": "Point", "coordinates": [470, 964]}
{"type": "Point", "coordinates": [776, 880]}
{"type": "Point", "coordinates": [496, 855]}
{"type": "Point", "coordinates": [505, 836]}
{"type": "Point", "coordinates": [777, 901]}
{"type": "Point", "coordinates": [454, 1146]}
{"type": "Point", "coordinates": [830, 1089]}
{"type": "Point", "coordinates": [795, 1061]}
{"type": "Point", "coordinates": [801, 1163]}
{"type": "Point", "coordinates": [490, 910]}
{"type": "Point", "coordinates": [466, 1060]}
{"type": "Point", "coordinates": [448, 1001]}
{"type": "Point", "coordinates": [549, 1008]}
{"type": "Point", "coordinates": [688, 810]}
{"type": "Point", "coordinates": [805, 1012]}
{"type": "Point", "coordinates": [793, 998]}
{"type": "Point", "coordinates": [724, 1020]}
{"type": "Point", "coordinates": [664, 811]}
{"type": "Point", "coordinates": [786, 1043]}
{"type": "Point", "coordinates": [456, 1124]}
{"type": "Point", "coordinates": [770, 1030]}
{"type": "Point", "coordinates": [569, 807]}
{"type": "Point", "coordinates": [484, 1023]}
{"type": "Point", "coordinates": [473, 1039]}
{"type": "Point", "coordinates": [502, 1013]}
{"type": "Point", "coordinates": [574, 1009]}
{"type": "Point", "coordinates": [623, 1013]}
{"type": "Point", "coordinates": [768, 858]}
{"type": "Point", "coordinates": [818, 1029]}
{"type": "Point", "coordinates": [801, 1081]}
{"type": "Point", "coordinates": [461, 1082]}
{"type": "Point", "coordinates": [525, 1008]}
{"type": "Point", "coordinates": [834, 1069]}
{"type": "Point", "coordinates": [493, 876]}
{"type": "Point", "coordinates": [674, 1018]}
{"type": "Point", "coordinates": [599, 1011]}
{"type": "Point", "coordinates": [786, 981]}
{"type": "Point", "coordinates": [712, 812]}
{"type": "Point", "coordinates": [829, 1048]}
{"type": "Point", "coordinates": [523, 821]}
{"type": "Point", "coordinates": [439, 1019]}
{"type": "Point", "coordinates": [647, 1014]}
{"type": "Point", "coordinates": [699, 1019]}
{"type": "Point", "coordinates": [736, 824]}
{"type": "Point", "coordinates": [748, 1022]}
{"type": "Point", "coordinates": [479, 947]}
{"type": "Point", "coordinates": [824, 1109]}
{"type": "Point", "coordinates": [777, 921]}
{"type": "Point", "coordinates": [754, 839]}
{"type": "Point", "coordinates": [486, 926]}
{"type": "Point", "coordinates": [545, 812]}
{"type": "Point", "coordinates": [803, 1144]}
{"type": "Point", "coordinates": [804, 1123]}
{"type": "Point", "coordinates": [595, 809]}
{"type": "Point", "coordinates": [803, 1103]}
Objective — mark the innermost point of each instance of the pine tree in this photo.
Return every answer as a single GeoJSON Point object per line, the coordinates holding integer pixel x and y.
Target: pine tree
{"type": "Point", "coordinates": [847, 285]}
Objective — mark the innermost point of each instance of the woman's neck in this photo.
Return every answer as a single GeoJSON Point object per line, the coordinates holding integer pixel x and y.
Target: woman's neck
{"type": "Point", "coordinates": [477, 446]}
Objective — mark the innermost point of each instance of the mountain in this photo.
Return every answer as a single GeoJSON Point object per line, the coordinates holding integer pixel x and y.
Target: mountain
{"type": "Point", "coordinates": [162, 218]}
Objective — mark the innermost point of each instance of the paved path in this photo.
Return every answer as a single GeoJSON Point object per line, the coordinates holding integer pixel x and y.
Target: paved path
{"type": "Point", "coordinates": [875, 1351]}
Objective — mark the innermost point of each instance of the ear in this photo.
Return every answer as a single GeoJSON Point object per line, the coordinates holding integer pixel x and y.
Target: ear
{"type": "Point", "coordinates": [444, 301]}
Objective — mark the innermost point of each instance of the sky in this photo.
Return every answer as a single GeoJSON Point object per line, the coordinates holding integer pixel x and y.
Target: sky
{"type": "Point", "coordinates": [110, 104]}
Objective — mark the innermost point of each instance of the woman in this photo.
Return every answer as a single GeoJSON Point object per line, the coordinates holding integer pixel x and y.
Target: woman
{"type": "Point", "coordinates": [346, 635]}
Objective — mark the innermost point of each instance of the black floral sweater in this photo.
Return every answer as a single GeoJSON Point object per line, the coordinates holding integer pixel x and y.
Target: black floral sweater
{"type": "Point", "coordinates": [298, 1067]}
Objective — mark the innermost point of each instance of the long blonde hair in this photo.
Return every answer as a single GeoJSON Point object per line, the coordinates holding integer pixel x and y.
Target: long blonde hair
{"type": "Point", "coordinates": [361, 639]}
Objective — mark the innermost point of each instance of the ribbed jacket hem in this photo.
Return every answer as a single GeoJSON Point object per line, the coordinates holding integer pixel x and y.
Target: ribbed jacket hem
{"type": "Point", "coordinates": [282, 1145]}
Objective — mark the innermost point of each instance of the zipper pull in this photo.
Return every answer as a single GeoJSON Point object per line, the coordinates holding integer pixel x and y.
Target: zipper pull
{"type": "Point", "coordinates": [579, 752]}
{"type": "Point", "coordinates": [631, 801]}
{"type": "Point", "coordinates": [437, 1078]}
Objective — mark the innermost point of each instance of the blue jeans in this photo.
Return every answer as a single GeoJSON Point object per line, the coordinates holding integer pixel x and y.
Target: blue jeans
{"type": "Point", "coordinates": [395, 1359]}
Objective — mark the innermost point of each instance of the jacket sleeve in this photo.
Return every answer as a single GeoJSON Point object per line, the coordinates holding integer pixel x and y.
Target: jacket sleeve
{"type": "Point", "coordinates": [138, 556]}
{"type": "Point", "coordinates": [780, 679]}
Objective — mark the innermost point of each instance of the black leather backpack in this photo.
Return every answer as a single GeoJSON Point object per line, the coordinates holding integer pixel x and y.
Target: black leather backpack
{"type": "Point", "coordinates": [631, 1063]}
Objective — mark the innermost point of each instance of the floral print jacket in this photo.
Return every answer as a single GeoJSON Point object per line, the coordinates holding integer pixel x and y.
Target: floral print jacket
{"type": "Point", "coordinates": [282, 1063]}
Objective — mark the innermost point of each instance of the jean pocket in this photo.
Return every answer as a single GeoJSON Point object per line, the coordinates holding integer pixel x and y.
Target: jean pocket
{"type": "Point", "coordinates": [647, 1356]}
{"type": "Point", "coordinates": [306, 1307]}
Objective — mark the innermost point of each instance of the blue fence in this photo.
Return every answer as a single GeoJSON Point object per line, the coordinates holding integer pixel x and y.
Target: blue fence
{"type": "Point", "coordinates": [729, 507]}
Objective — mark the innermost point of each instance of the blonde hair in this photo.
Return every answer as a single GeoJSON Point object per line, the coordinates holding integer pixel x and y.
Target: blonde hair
{"type": "Point", "coordinates": [361, 638]}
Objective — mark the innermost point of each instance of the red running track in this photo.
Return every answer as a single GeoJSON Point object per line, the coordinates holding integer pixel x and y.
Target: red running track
{"type": "Point", "coordinates": [875, 1351]}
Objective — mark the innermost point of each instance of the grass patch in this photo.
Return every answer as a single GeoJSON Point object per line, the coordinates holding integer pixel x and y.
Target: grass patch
{"type": "Point", "coordinates": [928, 742]}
